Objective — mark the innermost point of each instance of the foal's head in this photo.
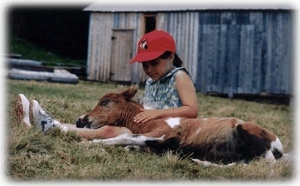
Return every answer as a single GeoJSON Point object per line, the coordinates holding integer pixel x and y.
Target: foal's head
{"type": "Point", "coordinates": [112, 109]}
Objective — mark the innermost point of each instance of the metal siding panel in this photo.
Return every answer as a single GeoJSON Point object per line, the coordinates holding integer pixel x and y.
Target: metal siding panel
{"type": "Point", "coordinates": [256, 20]}
{"type": "Point", "coordinates": [284, 51]}
{"type": "Point", "coordinates": [212, 43]}
{"type": "Point", "coordinates": [185, 35]}
{"type": "Point", "coordinates": [267, 55]}
{"type": "Point", "coordinates": [188, 43]}
{"type": "Point", "coordinates": [264, 62]}
{"type": "Point", "coordinates": [265, 48]}
{"type": "Point", "coordinates": [232, 62]}
{"type": "Point", "coordinates": [279, 56]}
{"type": "Point", "coordinates": [194, 43]}
{"type": "Point", "coordinates": [287, 68]}
{"type": "Point", "coordinates": [139, 31]}
{"type": "Point", "coordinates": [136, 24]}
{"type": "Point", "coordinates": [204, 59]}
{"type": "Point", "coordinates": [227, 46]}
{"type": "Point", "coordinates": [199, 81]}
{"type": "Point", "coordinates": [246, 67]}
{"type": "Point", "coordinates": [138, 74]}
{"type": "Point", "coordinates": [169, 22]}
{"type": "Point", "coordinates": [116, 21]}
{"type": "Point", "coordinates": [185, 44]}
{"type": "Point", "coordinates": [182, 36]}
{"type": "Point", "coordinates": [221, 51]}
{"type": "Point", "coordinates": [276, 50]}
{"type": "Point", "coordinates": [275, 42]}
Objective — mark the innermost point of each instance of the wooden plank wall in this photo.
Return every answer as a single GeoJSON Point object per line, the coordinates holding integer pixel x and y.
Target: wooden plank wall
{"type": "Point", "coordinates": [184, 29]}
{"type": "Point", "coordinates": [120, 70]}
{"type": "Point", "coordinates": [245, 52]}
{"type": "Point", "coordinates": [226, 51]}
{"type": "Point", "coordinates": [99, 49]}
{"type": "Point", "coordinates": [133, 21]}
{"type": "Point", "coordinates": [101, 25]}
{"type": "Point", "coordinates": [98, 63]}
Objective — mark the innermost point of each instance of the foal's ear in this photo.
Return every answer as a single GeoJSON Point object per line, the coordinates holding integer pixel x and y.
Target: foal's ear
{"type": "Point", "coordinates": [130, 92]}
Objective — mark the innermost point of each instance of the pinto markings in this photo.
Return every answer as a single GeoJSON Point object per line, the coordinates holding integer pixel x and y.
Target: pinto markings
{"type": "Point", "coordinates": [172, 122]}
{"type": "Point", "coordinates": [215, 140]}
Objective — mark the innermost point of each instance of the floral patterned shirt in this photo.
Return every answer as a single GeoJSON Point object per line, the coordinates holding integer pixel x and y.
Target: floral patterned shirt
{"type": "Point", "coordinates": [163, 94]}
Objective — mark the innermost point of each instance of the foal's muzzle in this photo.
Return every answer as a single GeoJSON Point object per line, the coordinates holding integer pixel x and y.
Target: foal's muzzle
{"type": "Point", "coordinates": [83, 122]}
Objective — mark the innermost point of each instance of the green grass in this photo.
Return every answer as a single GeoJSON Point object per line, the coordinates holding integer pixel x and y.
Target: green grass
{"type": "Point", "coordinates": [33, 155]}
{"type": "Point", "coordinates": [33, 52]}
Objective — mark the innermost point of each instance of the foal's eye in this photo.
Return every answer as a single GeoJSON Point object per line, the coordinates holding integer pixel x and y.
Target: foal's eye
{"type": "Point", "coordinates": [104, 102]}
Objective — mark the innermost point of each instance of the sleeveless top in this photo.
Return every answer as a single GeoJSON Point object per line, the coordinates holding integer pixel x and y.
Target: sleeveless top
{"type": "Point", "coordinates": [163, 94]}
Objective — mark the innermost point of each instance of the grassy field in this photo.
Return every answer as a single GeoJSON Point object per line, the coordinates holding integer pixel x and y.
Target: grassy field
{"type": "Point", "coordinates": [33, 52]}
{"type": "Point", "coordinates": [35, 156]}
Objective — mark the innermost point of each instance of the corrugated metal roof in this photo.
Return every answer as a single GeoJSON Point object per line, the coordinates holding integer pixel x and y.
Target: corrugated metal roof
{"type": "Point", "coordinates": [155, 6]}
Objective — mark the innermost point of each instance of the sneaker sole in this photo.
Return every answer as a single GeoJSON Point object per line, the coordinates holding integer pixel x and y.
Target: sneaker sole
{"type": "Point", "coordinates": [31, 116]}
{"type": "Point", "coordinates": [22, 103]}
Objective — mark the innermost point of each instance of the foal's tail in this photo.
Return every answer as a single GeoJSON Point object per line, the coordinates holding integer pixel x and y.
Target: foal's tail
{"type": "Point", "coordinates": [259, 142]}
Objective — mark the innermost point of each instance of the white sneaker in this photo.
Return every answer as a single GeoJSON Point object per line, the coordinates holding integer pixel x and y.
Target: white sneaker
{"type": "Point", "coordinates": [40, 118]}
{"type": "Point", "coordinates": [22, 110]}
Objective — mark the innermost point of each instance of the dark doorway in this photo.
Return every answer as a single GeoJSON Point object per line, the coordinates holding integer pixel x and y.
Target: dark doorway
{"type": "Point", "coordinates": [150, 22]}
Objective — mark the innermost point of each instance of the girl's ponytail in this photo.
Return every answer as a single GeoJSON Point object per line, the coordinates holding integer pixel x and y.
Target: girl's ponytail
{"type": "Point", "coordinates": [177, 62]}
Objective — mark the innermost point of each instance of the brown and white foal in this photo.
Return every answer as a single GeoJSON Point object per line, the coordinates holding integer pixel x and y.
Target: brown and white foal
{"type": "Point", "coordinates": [218, 140]}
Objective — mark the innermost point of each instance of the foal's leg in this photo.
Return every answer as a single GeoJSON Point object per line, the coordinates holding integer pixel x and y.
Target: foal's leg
{"type": "Point", "coordinates": [103, 132]}
{"type": "Point", "coordinates": [128, 139]}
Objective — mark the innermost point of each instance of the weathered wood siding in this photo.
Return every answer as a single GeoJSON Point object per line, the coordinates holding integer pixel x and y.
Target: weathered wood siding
{"type": "Point", "coordinates": [183, 26]}
{"type": "Point", "coordinates": [226, 51]}
{"type": "Point", "coordinates": [121, 53]}
{"type": "Point", "coordinates": [100, 43]}
{"type": "Point", "coordinates": [102, 24]}
{"type": "Point", "coordinates": [100, 32]}
{"type": "Point", "coordinates": [245, 52]}
{"type": "Point", "coordinates": [133, 21]}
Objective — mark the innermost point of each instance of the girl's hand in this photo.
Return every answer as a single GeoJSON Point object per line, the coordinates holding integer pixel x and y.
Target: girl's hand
{"type": "Point", "coordinates": [147, 115]}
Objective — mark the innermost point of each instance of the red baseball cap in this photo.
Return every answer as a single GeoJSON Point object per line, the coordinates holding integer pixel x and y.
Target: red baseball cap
{"type": "Point", "coordinates": [152, 45]}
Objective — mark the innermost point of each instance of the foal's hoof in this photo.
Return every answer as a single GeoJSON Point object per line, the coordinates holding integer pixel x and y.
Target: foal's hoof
{"type": "Point", "coordinates": [132, 148]}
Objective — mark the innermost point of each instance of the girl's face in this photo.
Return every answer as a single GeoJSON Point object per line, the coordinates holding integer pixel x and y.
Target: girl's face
{"type": "Point", "coordinates": [159, 67]}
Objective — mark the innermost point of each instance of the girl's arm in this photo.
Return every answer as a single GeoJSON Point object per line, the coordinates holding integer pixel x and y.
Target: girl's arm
{"type": "Point", "coordinates": [187, 94]}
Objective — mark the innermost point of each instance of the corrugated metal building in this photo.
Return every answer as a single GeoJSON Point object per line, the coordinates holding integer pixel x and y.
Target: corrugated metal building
{"type": "Point", "coordinates": [231, 51]}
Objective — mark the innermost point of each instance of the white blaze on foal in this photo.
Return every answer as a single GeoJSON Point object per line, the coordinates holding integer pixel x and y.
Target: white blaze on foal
{"type": "Point", "coordinates": [172, 122]}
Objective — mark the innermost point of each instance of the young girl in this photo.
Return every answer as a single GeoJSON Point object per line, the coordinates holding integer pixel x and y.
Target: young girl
{"type": "Point", "coordinates": [169, 91]}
